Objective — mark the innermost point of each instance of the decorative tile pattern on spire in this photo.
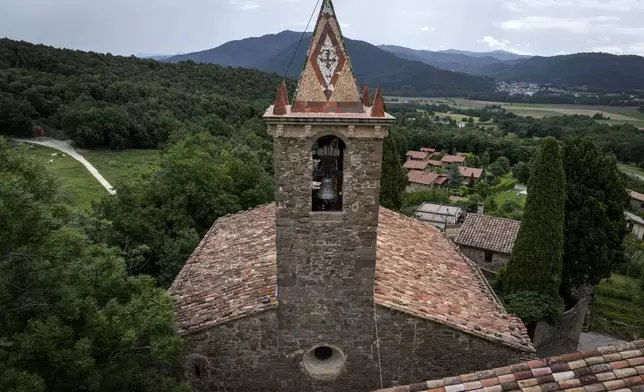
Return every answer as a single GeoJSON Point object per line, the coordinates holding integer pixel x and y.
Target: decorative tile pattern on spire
{"type": "Point", "coordinates": [327, 83]}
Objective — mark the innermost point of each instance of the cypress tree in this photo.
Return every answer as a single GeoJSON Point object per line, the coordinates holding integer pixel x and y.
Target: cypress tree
{"type": "Point", "coordinates": [536, 261]}
{"type": "Point", "coordinates": [594, 225]}
{"type": "Point", "coordinates": [393, 179]}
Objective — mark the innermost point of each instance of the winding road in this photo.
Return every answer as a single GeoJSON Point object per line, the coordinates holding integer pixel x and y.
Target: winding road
{"type": "Point", "coordinates": [66, 148]}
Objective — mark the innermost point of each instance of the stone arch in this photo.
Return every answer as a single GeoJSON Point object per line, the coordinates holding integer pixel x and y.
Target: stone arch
{"type": "Point", "coordinates": [330, 131]}
{"type": "Point", "coordinates": [328, 153]}
{"type": "Point", "coordinates": [197, 369]}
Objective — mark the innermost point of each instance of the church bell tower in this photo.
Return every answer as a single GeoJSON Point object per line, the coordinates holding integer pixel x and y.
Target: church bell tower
{"type": "Point", "coordinates": [328, 153]}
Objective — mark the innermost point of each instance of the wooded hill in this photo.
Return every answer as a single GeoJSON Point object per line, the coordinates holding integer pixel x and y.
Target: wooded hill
{"type": "Point", "coordinates": [372, 65]}
{"type": "Point", "coordinates": [423, 72]}
{"type": "Point", "coordinates": [101, 100]}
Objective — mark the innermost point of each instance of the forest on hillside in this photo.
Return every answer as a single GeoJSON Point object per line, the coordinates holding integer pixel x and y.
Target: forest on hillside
{"type": "Point", "coordinates": [100, 100]}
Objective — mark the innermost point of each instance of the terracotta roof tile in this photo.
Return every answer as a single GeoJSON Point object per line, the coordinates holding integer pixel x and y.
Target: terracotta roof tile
{"type": "Point", "coordinates": [489, 233]}
{"type": "Point", "coordinates": [413, 164]}
{"type": "Point", "coordinates": [419, 155]}
{"type": "Point", "coordinates": [471, 172]}
{"type": "Point", "coordinates": [428, 149]}
{"type": "Point", "coordinates": [422, 177]}
{"type": "Point", "coordinates": [599, 377]}
{"type": "Point", "coordinates": [453, 159]}
{"type": "Point", "coordinates": [232, 274]}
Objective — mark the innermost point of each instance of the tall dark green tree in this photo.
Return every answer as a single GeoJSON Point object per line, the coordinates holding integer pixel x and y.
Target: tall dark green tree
{"type": "Point", "coordinates": [71, 318]}
{"type": "Point", "coordinates": [536, 261]}
{"type": "Point", "coordinates": [595, 224]}
{"type": "Point", "coordinates": [393, 179]}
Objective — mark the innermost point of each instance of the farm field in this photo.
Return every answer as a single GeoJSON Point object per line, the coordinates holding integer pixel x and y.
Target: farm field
{"type": "Point", "coordinates": [75, 181]}
{"type": "Point", "coordinates": [617, 115]}
{"type": "Point", "coordinates": [631, 169]}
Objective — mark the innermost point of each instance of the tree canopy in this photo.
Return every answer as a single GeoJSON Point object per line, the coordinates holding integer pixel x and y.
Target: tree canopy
{"type": "Point", "coordinates": [595, 224]}
{"type": "Point", "coordinates": [71, 318]}
{"type": "Point", "coordinates": [539, 244]}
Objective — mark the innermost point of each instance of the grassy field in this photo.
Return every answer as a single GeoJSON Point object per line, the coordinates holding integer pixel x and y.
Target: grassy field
{"type": "Point", "coordinates": [502, 197]}
{"type": "Point", "coordinates": [74, 179]}
{"type": "Point", "coordinates": [617, 115]}
{"type": "Point", "coordinates": [631, 169]}
{"type": "Point", "coordinates": [118, 165]}
{"type": "Point", "coordinates": [617, 310]}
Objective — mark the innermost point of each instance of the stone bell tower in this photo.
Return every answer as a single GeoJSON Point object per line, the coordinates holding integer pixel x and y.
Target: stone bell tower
{"type": "Point", "coordinates": [328, 153]}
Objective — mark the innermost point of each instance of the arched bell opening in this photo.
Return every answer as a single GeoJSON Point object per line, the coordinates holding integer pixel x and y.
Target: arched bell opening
{"type": "Point", "coordinates": [328, 165]}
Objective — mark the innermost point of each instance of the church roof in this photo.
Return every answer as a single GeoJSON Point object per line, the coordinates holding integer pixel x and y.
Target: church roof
{"type": "Point", "coordinates": [610, 368]}
{"type": "Point", "coordinates": [232, 274]}
{"type": "Point", "coordinates": [327, 86]}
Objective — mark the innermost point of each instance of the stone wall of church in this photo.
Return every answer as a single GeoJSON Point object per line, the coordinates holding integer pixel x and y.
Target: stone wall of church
{"type": "Point", "coordinates": [247, 355]}
{"type": "Point", "coordinates": [414, 350]}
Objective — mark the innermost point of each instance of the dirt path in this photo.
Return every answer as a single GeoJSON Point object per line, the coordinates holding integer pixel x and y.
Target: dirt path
{"type": "Point", "coordinates": [65, 148]}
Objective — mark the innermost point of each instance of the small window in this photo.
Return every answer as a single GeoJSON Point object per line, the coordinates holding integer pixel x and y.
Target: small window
{"type": "Point", "coordinates": [488, 256]}
{"type": "Point", "coordinates": [196, 368]}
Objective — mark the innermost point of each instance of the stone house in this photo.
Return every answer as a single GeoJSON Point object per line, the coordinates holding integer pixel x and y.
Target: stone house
{"type": "Point", "coordinates": [637, 202]}
{"type": "Point", "coordinates": [413, 164]}
{"type": "Point", "coordinates": [487, 240]}
{"type": "Point", "coordinates": [324, 290]}
{"type": "Point", "coordinates": [635, 225]}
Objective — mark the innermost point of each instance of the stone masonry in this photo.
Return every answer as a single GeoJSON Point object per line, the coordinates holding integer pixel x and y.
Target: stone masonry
{"type": "Point", "coordinates": [326, 260]}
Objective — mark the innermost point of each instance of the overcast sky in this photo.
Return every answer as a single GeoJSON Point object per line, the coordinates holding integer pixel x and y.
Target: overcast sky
{"type": "Point", "coordinates": [539, 27]}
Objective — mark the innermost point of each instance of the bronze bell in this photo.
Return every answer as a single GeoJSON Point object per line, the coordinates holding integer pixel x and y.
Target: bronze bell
{"type": "Point", "coordinates": [327, 192]}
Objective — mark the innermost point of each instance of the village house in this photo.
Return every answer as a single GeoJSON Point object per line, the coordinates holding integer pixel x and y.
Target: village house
{"type": "Point", "coordinates": [417, 155]}
{"type": "Point", "coordinates": [635, 225]}
{"type": "Point", "coordinates": [453, 160]}
{"type": "Point", "coordinates": [418, 179]}
{"type": "Point", "coordinates": [324, 290]}
{"type": "Point", "coordinates": [637, 202]}
{"type": "Point", "coordinates": [441, 216]}
{"type": "Point", "coordinates": [471, 175]}
{"type": "Point", "coordinates": [488, 241]}
{"type": "Point", "coordinates": [428, 150]}
{"type": "Point", "coordinates": [413, 164]}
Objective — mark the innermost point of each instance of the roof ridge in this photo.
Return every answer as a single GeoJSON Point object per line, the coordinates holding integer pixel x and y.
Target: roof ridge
{"type": "Point", "coordinates": [491, 217]}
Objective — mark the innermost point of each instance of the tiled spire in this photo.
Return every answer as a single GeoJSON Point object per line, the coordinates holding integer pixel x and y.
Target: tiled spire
{"type": "Point", "coordinates": [327, 83]}
{"type": "Point", "coordinates": [366, 99]}
{"type": "Point", "coordinates": [378, 108]}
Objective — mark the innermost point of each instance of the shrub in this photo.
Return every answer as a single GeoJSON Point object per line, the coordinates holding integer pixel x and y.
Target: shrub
{"type": "Point", "coordinates": [531, 307]}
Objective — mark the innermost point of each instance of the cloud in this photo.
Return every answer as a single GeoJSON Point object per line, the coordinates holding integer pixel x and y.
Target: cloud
{"type": "Point", "coordinates": [245, 5]}
{"type": "Point", "coordinates": [427, 28]}
{"type": "Point", "coordinates": [574, 25]}
{"type": "Point", "coordinates": [493, 43]}
{"type": "Point", "coordinates": [612, 5]}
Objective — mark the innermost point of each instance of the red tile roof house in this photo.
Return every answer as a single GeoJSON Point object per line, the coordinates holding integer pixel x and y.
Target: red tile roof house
{"type": "Point", "coordinates": [417, 155]}
{"type": "Point", "coordinates": [612, 368]}
{"type": "Point", "coordinates": [428, 150]}
{"type": "Point", "coordinates": [637, 202]}
{"type": "Point", "coordinates": [418, 179]}
{"type": "Point", "coordinates": [344, 295]}
{"type": "Point", "coordinates": [453, 159]}
{"type": "Point", "coordinates": [471, 175]}
{"type": "Point", "coordinates": [488, 241]}
{"type": "Point", "coordinates": [416, 165]}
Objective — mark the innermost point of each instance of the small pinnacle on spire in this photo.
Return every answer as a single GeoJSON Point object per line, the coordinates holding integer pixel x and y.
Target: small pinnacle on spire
{"type": "Point", "coordinates": [366, 99]}
{"type": "Point", "coordinates": [284, 93]}
{"type": "Point", "coordinates": [279, 108]}
{"type": "Point", "coordinates": [378, 108]}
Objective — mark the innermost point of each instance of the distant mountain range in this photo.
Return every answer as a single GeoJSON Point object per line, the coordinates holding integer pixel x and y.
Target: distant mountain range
{"type": "Point", "coordinates": [402, 70]}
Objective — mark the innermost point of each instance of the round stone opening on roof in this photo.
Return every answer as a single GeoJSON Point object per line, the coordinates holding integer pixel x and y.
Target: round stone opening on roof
{"type": "Point", "coordinates": [324, 362]}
